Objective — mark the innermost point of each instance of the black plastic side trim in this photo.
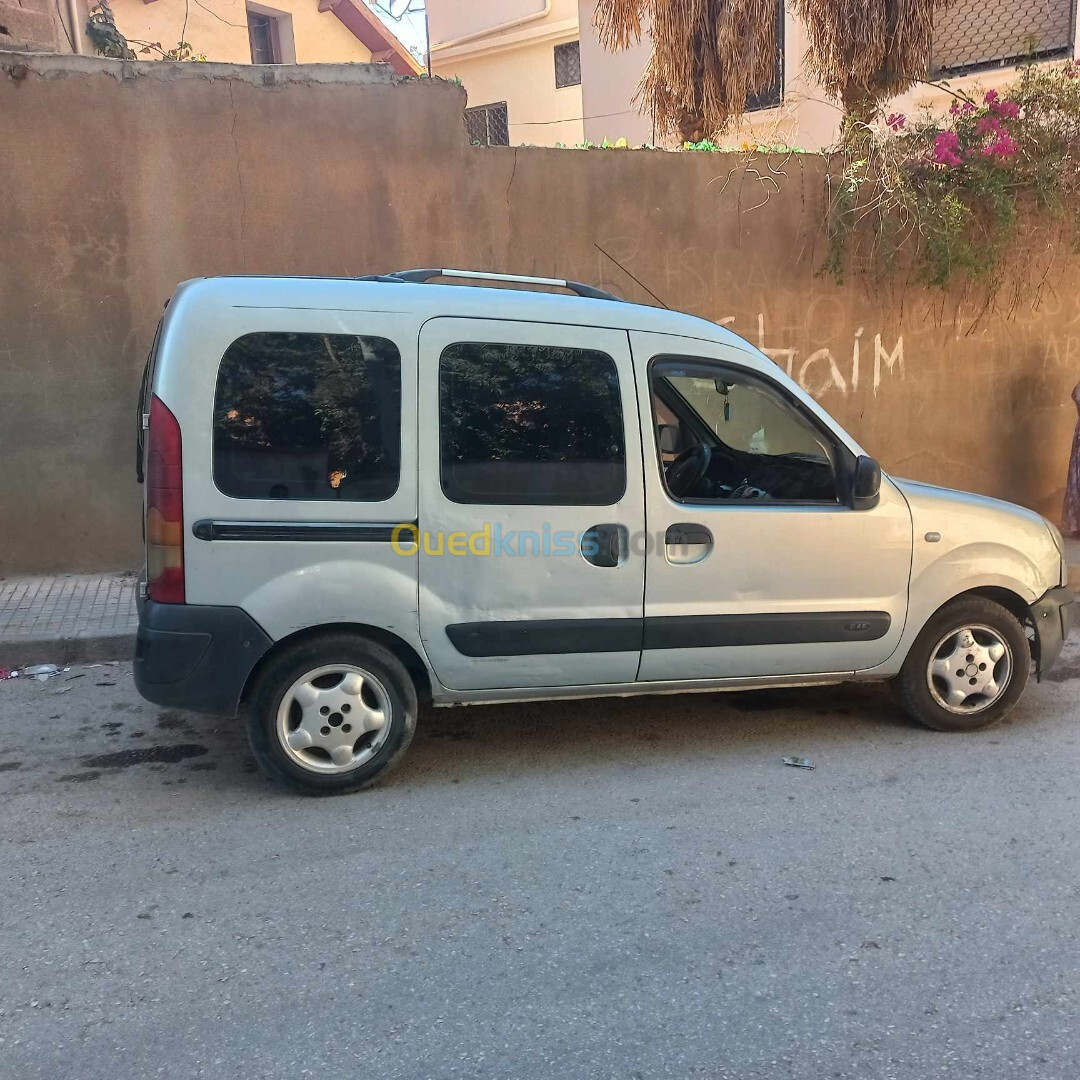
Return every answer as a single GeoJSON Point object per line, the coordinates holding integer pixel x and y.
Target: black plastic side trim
{"type": "Point", "coordinates": [802, 628]}
{"type": "Point", "coordinates": [194, 656]}
{"type": "Point", "coordinates": [545, 636]}
{"type": "Point", "coordinates": [549, 636]}
{"type": "Point", "coordinates": [1053, 614]}
{"type": "Point", "coordinates": [321, 531]}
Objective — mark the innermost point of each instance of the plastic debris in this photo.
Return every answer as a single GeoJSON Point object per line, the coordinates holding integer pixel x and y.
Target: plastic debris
{"type": "Point", "coordinates": [42, 672]}
{"type": "Point", "coordinates": [41, 669]}
{"type": "Point", "coordinates": [799, 762]}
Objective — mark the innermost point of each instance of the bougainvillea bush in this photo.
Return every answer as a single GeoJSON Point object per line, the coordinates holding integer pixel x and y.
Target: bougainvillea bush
{"type": "Point", "coordinates": [948, 197]}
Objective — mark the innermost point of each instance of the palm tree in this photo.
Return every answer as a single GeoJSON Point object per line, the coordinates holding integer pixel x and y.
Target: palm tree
{"type": "Point", "coordinates": [710, 55]}
{"type": "Point", "coordinates": [865, 51]}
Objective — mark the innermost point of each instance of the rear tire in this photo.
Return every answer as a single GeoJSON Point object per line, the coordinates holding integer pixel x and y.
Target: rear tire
{"type": "Point", "coordinates": [968, 667]}
{"type": "Point", "coordinates": [331, 714]}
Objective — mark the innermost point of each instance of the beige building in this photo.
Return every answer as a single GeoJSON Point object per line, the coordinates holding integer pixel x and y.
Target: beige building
{"type": "Point", "coordinates": [286, 32]}
{"type": "Point", "coordinates": [502, 50]}
{"type": "Point", "coordinates": [233, 31]}
{"type": "Point", "coordinates": [519, 62]}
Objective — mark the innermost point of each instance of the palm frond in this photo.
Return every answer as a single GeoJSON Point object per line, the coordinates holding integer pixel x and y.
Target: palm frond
{"type": "Point", "coordinates": [867, 50]}
{"type": "Point", "coordinates": [708, 57]}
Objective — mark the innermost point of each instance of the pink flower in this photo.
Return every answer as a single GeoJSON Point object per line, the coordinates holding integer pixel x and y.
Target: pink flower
{"type": "Point", "coordinates": [1003, 146]}
{"type": "Point", "coordinates": [1010, 110]}
{"type": "Point", "coordinates": [990, 97]}
{"type": "Point", "coordinates": [896, 121]}
{"type": "Point", "coordinates": [954, 108]}
{"type": "Point", "coordinates": [967, 107]}
{"type": "Point", "coordinates": [946, 148]}
{"type": "Point", "coordinates": [987, 125]}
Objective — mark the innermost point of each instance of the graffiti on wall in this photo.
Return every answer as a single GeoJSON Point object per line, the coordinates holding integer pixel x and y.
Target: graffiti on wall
{"type": "Point", "coordinates": [821, 370]}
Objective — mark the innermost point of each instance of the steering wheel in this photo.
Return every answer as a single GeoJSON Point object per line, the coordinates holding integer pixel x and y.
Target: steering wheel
{"type": "Point", "coordinates": [688, 469]}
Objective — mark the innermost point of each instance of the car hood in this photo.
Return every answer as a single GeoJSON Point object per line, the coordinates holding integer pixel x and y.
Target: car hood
{"type": "Point", "coordinates": [935, 497]}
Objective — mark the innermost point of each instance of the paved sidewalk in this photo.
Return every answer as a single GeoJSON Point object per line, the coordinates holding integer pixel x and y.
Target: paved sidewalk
{"type": "Point", "coordinates": [67, 619]}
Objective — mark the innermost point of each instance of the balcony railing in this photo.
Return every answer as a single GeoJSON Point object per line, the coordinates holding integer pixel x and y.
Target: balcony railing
{"type": "Point", "coordinates": [977, 35]}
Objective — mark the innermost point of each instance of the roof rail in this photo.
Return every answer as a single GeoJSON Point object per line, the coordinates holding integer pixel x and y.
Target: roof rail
{"type": "Point", "coordinates": [423, 276]}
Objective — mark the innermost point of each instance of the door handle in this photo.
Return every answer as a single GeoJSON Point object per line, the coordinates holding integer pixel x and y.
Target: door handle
{"type": "Point", "coordinates": [686, 543]}
{"type": "Point", "coordinates": [605, 545]}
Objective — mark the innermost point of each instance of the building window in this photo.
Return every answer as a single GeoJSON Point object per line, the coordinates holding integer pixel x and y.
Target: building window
{"type": "Point", "coordinates": [773, 94]}
{"type": "Point", "coordinates": [568, 64]}
{"type": "Point", "coordinates": [308, 416]}
{"type": "Point", "coordinates": [530, 425]}
{"type": "Point", "coordinates": [265, 38]}
{"type": "Point", "coordinates": [487, 125]}
{"type": "Point", "coordinates": [976, 35]}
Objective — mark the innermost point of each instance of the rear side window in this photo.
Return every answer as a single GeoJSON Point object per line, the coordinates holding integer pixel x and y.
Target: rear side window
{"type": "Point", "coordinates": [530, 424]}
{"type": "Point", "coordinates": [308, 416]}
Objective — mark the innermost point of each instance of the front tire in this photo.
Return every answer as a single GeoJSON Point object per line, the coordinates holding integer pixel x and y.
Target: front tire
{"type": "Point", "coordinates": [332, 714]}
{"type": "Point", "coordinates": [968, 667]}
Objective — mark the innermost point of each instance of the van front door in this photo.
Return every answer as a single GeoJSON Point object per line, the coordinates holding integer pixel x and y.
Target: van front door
{"type": "Point", "coordinates": [531, 491]}
{"type": "Point", "coordinates": [760, 565]}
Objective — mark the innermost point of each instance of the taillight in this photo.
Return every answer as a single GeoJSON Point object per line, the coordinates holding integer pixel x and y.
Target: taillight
{"type": "Point", "coordinates": [164, 507]}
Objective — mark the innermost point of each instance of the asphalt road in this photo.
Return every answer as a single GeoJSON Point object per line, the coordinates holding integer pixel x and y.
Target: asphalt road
{"type": "Point", "coordinates": [628, 889]}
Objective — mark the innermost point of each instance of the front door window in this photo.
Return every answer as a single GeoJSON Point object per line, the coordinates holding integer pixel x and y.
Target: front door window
{"type": "Point", "coordinates": [728, 435]}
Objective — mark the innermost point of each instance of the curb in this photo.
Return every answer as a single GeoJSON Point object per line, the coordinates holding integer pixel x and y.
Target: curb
{"type": "Point", "coordinates": [81, 649]}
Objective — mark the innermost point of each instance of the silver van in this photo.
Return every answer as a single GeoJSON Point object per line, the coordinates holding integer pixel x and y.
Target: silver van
{"type": "Point", "coordinates": [363, 494]}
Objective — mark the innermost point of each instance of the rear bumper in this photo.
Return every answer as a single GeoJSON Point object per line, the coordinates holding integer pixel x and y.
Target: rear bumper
{"type": "Point", "coordinates": [1054, 616]}
{"type": "Point", "coordinates": [194, 656]}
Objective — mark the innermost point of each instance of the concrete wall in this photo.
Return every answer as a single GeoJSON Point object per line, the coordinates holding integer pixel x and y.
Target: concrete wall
{"type": "Point", "coordinates": [806, 116]}
{"type": "Point", "coordinates": [506, 52]}
{"type": "Point", "coordinates": [130, 177]}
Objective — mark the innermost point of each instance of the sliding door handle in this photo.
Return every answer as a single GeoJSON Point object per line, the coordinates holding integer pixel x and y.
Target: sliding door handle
{"type": "Point", "coordinates": [605, 545]}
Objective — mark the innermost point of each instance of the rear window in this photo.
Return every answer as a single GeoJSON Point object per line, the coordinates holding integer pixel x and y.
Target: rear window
{"type": "Point", "coordinates": [308, 416]}
{"type": "Point", "coordinates": [530, 424]}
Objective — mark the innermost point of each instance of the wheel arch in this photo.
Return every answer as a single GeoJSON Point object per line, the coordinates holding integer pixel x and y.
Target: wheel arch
{"type": "Point", "coordinates": [1012, 601]}
{"type": "Point", "coordinates": [409, 657]}
{"type": "Point", "coordinates": [1008, 599]}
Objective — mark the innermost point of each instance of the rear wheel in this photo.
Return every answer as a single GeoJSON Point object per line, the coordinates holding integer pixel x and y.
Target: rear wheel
{"type": "Point", "coordinates": [968, 667]}
{"type": "Point", "coordinates": [331, 714]}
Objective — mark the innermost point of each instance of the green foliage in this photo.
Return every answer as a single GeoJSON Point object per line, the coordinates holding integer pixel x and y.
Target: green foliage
{"type": "Point", "coordinates": [947, 198]}
{"type": "Point", "coordinates": [108, 41]}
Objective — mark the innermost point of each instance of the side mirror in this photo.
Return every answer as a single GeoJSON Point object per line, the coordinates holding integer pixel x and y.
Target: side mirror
{"type": "Point", "coordinates": [865, 483]}
{"type": "Point", "coordinates": [669, 438]}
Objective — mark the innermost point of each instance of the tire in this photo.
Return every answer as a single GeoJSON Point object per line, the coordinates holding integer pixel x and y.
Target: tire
{"type": "Point", "coordinates": [971, 646]}
{"type": "Point", "coordinates": [325, 696]}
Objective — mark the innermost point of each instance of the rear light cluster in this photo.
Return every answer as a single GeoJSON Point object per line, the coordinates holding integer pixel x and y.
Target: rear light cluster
{"type": "Point", "coordinates": [164, 507]}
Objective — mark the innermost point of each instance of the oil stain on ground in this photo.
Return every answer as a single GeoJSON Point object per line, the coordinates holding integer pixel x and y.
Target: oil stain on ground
{"type": "Point", "coordinates": [123, 759]}
{"type": "Point", "coordinates": [1065, 672]}
{"type": "Point", "coordinates": [171, 721]}
{"type": "Point", "coordinates": [79, 778]}
{"type": "Point", "coordinates": [9, 766]}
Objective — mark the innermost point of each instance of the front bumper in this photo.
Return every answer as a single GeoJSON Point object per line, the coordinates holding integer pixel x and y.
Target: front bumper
{"type": "Point", "coordinates": [196, 656]}
{"type": "Point", "coordinates": [1054, 616]}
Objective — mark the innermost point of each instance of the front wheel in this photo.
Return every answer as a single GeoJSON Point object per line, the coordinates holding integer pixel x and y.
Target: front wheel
{"type": "Point", "coordinates": [331, 714]}
{"type": "Point", "coordinates": [968, 667]}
